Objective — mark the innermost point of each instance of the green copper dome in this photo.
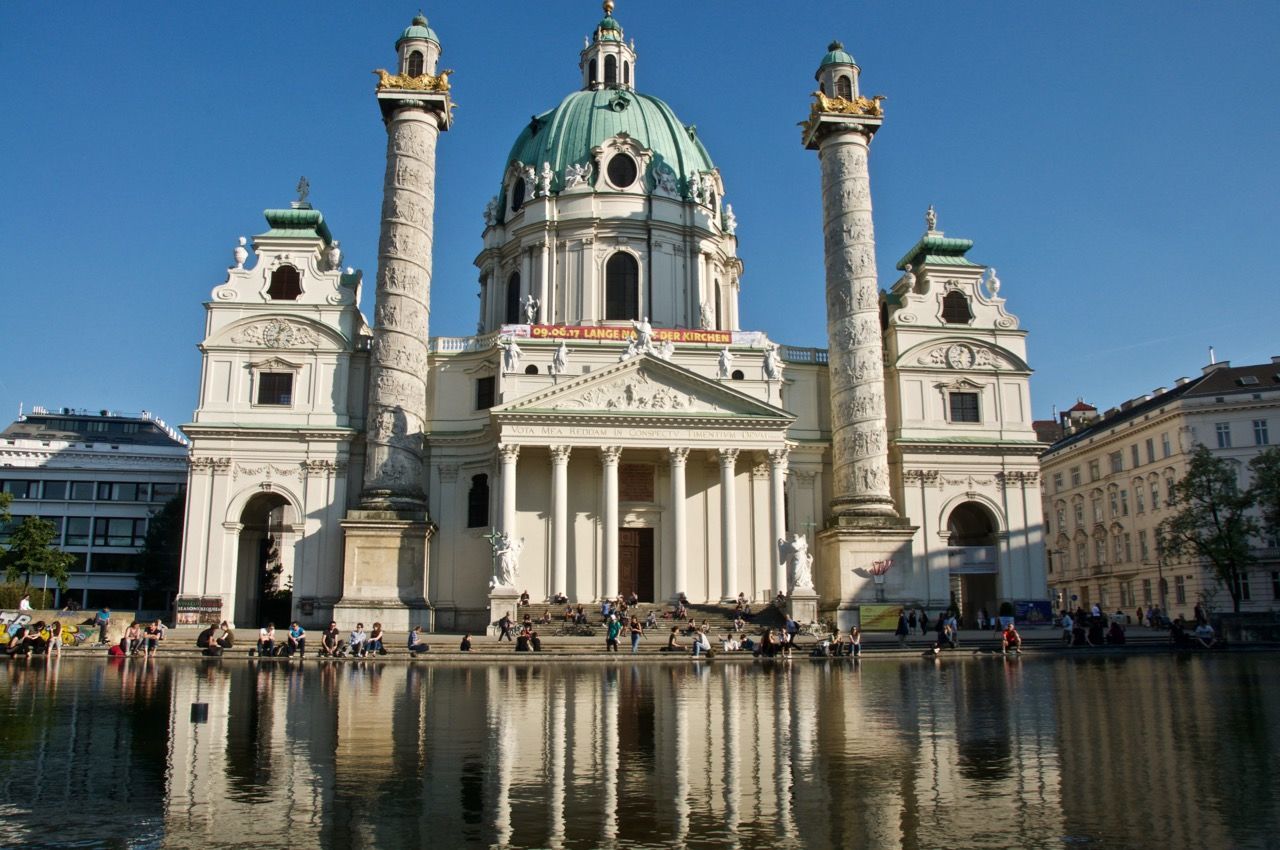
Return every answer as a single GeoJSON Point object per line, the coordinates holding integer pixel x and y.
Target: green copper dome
{"type": "Point", "coordinates": [836, 55]}
{"type": "Point", "coordinates": [418, 30]}
{"type": "Point", "coordinates": [609, 29]}
{"type": "Point", "coordinates": [565, 135]}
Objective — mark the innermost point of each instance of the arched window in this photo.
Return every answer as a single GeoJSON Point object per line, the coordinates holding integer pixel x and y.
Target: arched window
{"type": "Point", "coordinates": [478, 502]}
{"type": "Point", "coordinates": [626, 73]}
{"type": "Point", "coordinates": [513, 299]}
{"type": "Point", "coordinates": [414, 66]}
{"type": "Point", "coordinates": [844, 88]}
{"type": "Point", "coordinates": [517, 194]}
{"type": "Point", "coordinates": [622, 287]}
{"type": "Point", "coordinates": [738, 375]}
{"type": "Point", "coordinates": [611, 70]}
{"type": "Point", "coordinates": [955, 309]}
{"type": "Point", "coordinates": [531, 369]}
{"type": "Point", "coordinates": [286, 284]}
{"type": "Point", "coordinates": [593, 73]}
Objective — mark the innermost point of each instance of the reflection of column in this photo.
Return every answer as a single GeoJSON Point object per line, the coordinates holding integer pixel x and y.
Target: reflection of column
{"type": "Point", "coordinates": [731, 700]}
{"type": "Point", "coordinates": [559, 517]}
{"type": "Point", "coordinates": [682, 769]}
{"type": "Point", "coordinates": [778, 516]}
{"type": "Point", "coordinates": [556, 742]}
{"type": "Point", "coordinates": [782, 753]}
{"type": "Point", "coordinates": [609, 456]}
{"type": "Point", "coordinates": [503, 738]}
{"type": "Point", "coordinates": [728, 524]}
{"type": "Point", "coordinates": [609, 739]}
{"type": "Point", "coordinates": [679, 529]}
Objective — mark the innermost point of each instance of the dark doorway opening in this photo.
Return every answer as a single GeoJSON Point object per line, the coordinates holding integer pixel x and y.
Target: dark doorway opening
{"type": "Point", "coordinates": [635, 562]}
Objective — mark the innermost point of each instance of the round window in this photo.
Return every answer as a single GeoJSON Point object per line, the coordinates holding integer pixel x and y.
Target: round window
{"type": "Point", "coordinates": [622, 171]}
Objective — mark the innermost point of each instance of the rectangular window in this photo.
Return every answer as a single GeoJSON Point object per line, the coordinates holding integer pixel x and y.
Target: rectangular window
{"type": "Point", "coordinates": [1180, 590]}
{"type": "Point", "coordinates": [275, 388]}
{"type": "Point", "coordinates": [119, 531]}
{"type": "Point", "coordinates": [1062, 519]}
{"type": "Point", "coordinates": [1075, 476]}
{"type": "Point", "coordinates": [1144, 548]}
{"type": "Point", "coordinates": [82, 491]}
{"type": "Point", "coordinates": [1117, 461]}
{"type": "Point", "coordinates": [55, 489]}
{"type": "Point", "coordinates": [1260, 436]}
{"type": "Point", "coordinates": [485, 392]}
{"type": "Point", "coordinates": [164, 492]}
{"type": "Point", "coordinates": [1223, 430]}
{"type": "Point", "coordinates": [114, 562]}
{"type": "Point", "coordinates": [1165, 447]}
{"type": "Point", "coordinates": [1126, 594]}
{"type": "Point", "coordinates": [1100, 551]}
{"type": "Point", "coordinates": [1079, 506]}
{"type": "Point", "coordinates": [97, 426]}
{"type": "Point", "coordinates": [1094, 470]}
{"type": "Point", "coordinates": [21, 489]}
{"type": "Point", "coordinates": [1117, 550]}
{"type": "Point", "coordinates": [1124, 503]}
{"type": "Point", "coordinates": [1140, 498]}
{"type": "Point", "coordinates": [1057, 482]}
{"type": "Point", "coordinates": [1102, 597]}
{"type": "Point", "coordinates": [1151, 450]}
{"type": "Point", "coordinates": [1082, 555]}
{"type": "Point", "coordinates": [77, 531]}
{"type": "Point", "coordinates": [1146, 591]}
{"type": "Point", "coordinates": [1275, 584]}
{"type": "Point", "coordinates": [1097, 510]}
{"type": "Point", "coordinates": [1155, 495]}
{"type": "Point", "coordinates": [1242, 585]}
{"type": "Point", "coordinates": [964, 407]}
{"type": "Point", "coordinates": [1133, 455]}
{"type": "Point", "coordinates": [1128, 548]}
{"type": "Point", "coordinates": [1115, 503]}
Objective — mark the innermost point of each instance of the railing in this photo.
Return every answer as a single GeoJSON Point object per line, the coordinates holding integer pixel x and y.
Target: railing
{"type": "Point", "coordinates": [792, 354]}
{"type": "Point", "coordinates": [460, 344]}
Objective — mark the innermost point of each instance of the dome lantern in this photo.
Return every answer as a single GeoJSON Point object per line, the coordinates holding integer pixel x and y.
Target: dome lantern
{"type": "Point", "coordinates": [418, 48]}
{"type": "Point", "coordinates": [607, 61]}
{"type": "Point", "coordinates": [837, 73]}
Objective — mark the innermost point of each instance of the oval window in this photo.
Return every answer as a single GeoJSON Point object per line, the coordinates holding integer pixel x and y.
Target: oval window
{"type": "Point", "coordinates": [622, 171]}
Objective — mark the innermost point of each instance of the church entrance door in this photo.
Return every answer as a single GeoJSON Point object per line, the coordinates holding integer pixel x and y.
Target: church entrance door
{"type": "Point", "coordinates": [635, 562]}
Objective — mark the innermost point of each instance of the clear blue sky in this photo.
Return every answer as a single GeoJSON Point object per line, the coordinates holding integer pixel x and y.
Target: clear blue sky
{"type": "Point", "coordinates": [1116, 161]}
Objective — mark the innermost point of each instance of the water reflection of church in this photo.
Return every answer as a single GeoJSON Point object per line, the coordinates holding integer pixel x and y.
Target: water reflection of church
{"type": "Point", "coordinates": [610, 416]}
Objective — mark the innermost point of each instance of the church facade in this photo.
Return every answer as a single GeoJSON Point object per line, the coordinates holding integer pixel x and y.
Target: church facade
{"type": "Point", "coordinates": [610, 428]}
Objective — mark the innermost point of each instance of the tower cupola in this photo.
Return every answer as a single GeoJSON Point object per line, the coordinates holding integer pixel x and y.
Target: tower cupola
{"type": "Point", "coordinates": [837, 73]}
{"type": "Point", "coordinates": [418, 48]}
{"type": "Point", "coordinates": [607, 61]}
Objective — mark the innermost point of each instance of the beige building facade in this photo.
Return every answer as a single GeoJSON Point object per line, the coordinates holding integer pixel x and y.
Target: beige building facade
{"type": "Point", "coordinates": [1107, 485]}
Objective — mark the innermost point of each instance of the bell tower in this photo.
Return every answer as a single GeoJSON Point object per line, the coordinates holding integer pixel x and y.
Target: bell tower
{"type": "Point", "coordinates": [385, 553]}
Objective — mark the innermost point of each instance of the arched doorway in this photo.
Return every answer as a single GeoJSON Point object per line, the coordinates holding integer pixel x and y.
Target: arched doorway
{"type": "Point", "coordinates": [264, 565]}
{"type": "Point", "coordinates": [972, 556]}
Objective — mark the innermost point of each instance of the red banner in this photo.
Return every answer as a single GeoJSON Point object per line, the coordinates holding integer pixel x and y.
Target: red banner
{"type": "Point", "coordinates": [622, 334]}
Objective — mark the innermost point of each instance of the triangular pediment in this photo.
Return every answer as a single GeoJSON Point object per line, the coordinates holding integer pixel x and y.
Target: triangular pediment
{"type": "Point", "coordinates": [645, 386]}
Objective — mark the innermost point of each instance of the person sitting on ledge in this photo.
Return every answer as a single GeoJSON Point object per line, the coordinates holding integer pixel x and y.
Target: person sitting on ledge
{"type": "Point", "coordinates": [1115, 634]}
{"type": "Point", "coordinates": [297, 639]}
{"type": "Point", "coordinates": [1097, 634]}
{"type": "Point", "coordinates": [330, 646]}
{"type": "Point", "coordinates": [768, 646]}
{"type": "Point", "coordinates": [780, 601]}
{"type": "Point", "coordinates": [1204, 634]}
{"type": "Point", "coordinates": [535, 642]}
{"type": "Point", "coordinates": [152, 635]}
{"type": "Point", "coordinates": [673, 641]}
{"type": "Point", "coordinates": [559, 598]}
{"type": "Point", "coordinates": [568, 614]}
{"type": "Point", "coordinates": [1178, 634]}
{"type": "Point", "coordinates": [206, 640]}
{"type": "Point", "coordinates": [1010, 640]}
{"type": "Point", "coordinates": [374, 644]}
{"type": "Point", "coordinates": [267, 640]}
{"type": "Point", "coordinates": [356, 642]}
{"type": "Point", "coordinates": [524, 597]}
{"type": "Point", "coordinates": [416, 643]}
{"type": "Point", "coordinates": [465, 646]}
{"type": "Point", "coordinates": [651, 621]}
{"type": "Point", "coordinates": [522, 641]}
{"type": "Point", "coordinates": [701, 643]}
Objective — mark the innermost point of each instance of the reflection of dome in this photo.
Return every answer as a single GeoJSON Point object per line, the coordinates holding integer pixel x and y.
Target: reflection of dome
{"type": "Point", "coordinates": [565, 135]}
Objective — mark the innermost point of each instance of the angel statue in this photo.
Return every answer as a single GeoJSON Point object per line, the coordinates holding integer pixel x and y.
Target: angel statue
{"type": "Point", "coordinates": [725, 367]}
{"type": "Point", "coordinates": [510, 354]}
{"type": "Point", "coordinates": [772, 364]}
{"type": "Point", "coordinates": [796, 553]}
{"type": "Point", "coordinates": [530, 305]}
{"type": "Point", "coordinates": [507, 554]}
{"type": "Point", "coordinates": [560, 361]}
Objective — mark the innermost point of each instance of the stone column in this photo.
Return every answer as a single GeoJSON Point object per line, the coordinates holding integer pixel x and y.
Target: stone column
{"type": "Point", "coordinates": [609, 456]}
{"type": "Point", "coordinates": [559, 518]}
{"type": "Point", "coordinates": [679, 526]}
{"type": "Point", "coordinates": [728, 524]}
{"type": "Point", "coordinates": [778, 516]}
{"type": "Point", "coordinates": [860, 460]}
{"type": "Point", "coordinates": [398, 368]}
{"type": "Point", "coordinates": [508, 455]}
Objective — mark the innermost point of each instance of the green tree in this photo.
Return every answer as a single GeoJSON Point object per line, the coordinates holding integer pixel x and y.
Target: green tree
{"type": "Point", "coordinates": [1266, 489]}
{"type": "Point", "coordinates": [31, 553]}
{"type": "Point", "coordinates": [160, 559]}
{"type": "Point", "coordinates": [5, 499]}
{"type": "Point", "coordinates": [1211, 520]}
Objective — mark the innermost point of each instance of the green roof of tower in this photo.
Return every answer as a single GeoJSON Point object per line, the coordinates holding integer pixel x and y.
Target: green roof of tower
{"type": "Point", "coordinates": [566, 134]}
{"type": "Point", "coordinates": [939, 250]}
{"type": "Point", "coordinates": [418, 30]}
{"type": "Point", "coordinates": [305, 222]}
{"type": "Point", "coordinates": [836, 55]}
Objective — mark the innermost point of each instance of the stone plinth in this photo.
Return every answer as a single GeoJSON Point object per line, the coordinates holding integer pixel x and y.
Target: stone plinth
{"type": "Point", "coordinates": [847, 550]}
{"type": "Point", "coordinates": [502, 600]}
{"type": "Point", "coordinates": [803, 606]}
{"type": "Point", "coordinates": [384, 571]}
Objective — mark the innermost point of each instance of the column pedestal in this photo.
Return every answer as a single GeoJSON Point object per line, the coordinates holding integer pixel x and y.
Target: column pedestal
{"type": "Point", "coordinates": [846, 551]}
{"type": "Point", "coordinates": [384, 579]}
{"type": "Point", "coordinates": [803, 606]}
{"type": "Point", "coordinates": [502, 600]}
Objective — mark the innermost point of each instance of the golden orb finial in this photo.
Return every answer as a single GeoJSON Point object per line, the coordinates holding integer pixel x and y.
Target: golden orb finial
{"type": "Point", "coordinates": [608, 7]}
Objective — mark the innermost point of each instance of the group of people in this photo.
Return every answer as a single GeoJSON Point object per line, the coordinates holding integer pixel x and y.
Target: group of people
{"type": "Point", "coordinates": [38, 638]}
{"type": "Point", "coordinates": [1091, 628]}
{"type": "Point", "coordinates": [141, 640]}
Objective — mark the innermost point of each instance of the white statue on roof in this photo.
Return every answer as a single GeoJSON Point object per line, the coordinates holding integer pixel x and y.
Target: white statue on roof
{"type": "Point", "coordinates": [335, 256]}
{"type": "Point", "coordinates": [725, 365]}
{"type": "Point", "coordinates": [240, 254]}
{"type": "Point", "coordinates": [730, 220]}
{"type": "Point", "coordinates": [510, 354]}
{"type": "Point", "coordinates": [545, 178]}
{"type": "Point", "coordinates": [560, 361]}
{"type": "Point", "coordinates": [993, 283]}
{"type": "Point", "coordinates": [530, 305]}
{"type": "Point", "coordinates": [576, 175]}
{"type": "Point", "coordinates": [491, 212]}
{"type": "Point", "coordinates": [772, 363]}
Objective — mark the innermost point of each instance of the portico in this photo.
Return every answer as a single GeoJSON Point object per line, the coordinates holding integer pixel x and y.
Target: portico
{"type": "Point", "coordinates": [660, 442]}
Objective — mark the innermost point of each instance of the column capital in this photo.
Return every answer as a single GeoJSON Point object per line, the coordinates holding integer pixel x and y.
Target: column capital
{"type": "Point", "coordinates": [728, 457]}
{"type": "Point", "coordinates": [609, 455]}
{"type": "Point", "coordinates": [509, 452]}
{"type": "Point", "coordinates": [679, 455]}
{"type": "Point", "coordinates": [560, 454]}
{"type": "Point", "coordinates": [778, 457]}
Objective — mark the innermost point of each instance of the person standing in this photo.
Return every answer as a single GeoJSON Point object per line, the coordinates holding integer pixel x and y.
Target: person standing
{"type": "Point", "coordinates": [902, 630]}
{"type": "Point", "coordinates": [637, 632]}
{"type": "Point", "coordinates": [504, 624]}
{"type": "Point", "coordinates": [612, 630]}
{"type": "Point", "coordinates": [102, 620]}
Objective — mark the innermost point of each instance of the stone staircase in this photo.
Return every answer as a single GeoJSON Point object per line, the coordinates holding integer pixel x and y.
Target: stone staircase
{"type": "Point", "coordinates": [718, 618]}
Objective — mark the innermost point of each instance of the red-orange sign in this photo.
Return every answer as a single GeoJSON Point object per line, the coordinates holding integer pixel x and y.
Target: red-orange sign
{"type": "Point", "coordinates": [622, 334]}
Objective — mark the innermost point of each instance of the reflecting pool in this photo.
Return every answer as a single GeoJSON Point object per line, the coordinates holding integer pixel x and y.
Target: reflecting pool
{"type": "Point", "coordinates": [985, 752]}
